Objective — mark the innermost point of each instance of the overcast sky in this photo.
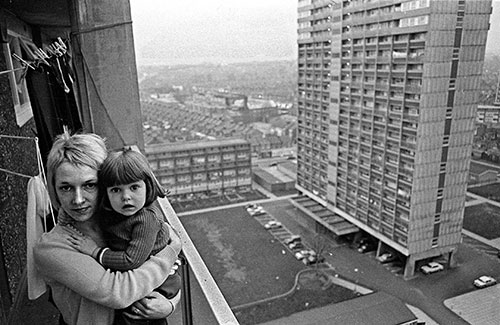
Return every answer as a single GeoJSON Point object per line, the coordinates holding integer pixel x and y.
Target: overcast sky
{"type": "Point", "coordinates": [191, 31]}
{"type": "Point", "coordinates": [194, 31]}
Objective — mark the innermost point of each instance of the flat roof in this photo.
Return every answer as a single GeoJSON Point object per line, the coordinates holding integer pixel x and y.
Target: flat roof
{"type": "Point", "coordinates": [478, 168]}
{"type": "Point", "coordinates": [192, 145]}
{"type": "Point", "coordinates": [378, 308]}
{"type": "Point", "coordinates": [272, 175]}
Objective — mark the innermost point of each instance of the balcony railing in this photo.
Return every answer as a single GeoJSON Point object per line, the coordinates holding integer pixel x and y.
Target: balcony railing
{"type": "Point", "coordinates": [218, 304]}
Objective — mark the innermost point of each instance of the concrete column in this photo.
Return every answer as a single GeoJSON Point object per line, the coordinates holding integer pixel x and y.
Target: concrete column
{"type": "Point", "coordinates": [452, 259]}
{"type": "Point", "coordinates": [409, 271]}
{"type": "Point", "coordinates": [103, 50]}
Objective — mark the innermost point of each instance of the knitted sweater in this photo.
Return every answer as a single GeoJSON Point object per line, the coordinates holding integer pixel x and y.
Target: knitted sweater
{"type": "Point", "coordinates": [84, 291]}
{"type": "Point", "coordinates": [133, 239]}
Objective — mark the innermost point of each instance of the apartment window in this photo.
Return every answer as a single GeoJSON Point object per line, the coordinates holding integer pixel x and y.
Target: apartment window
{"type": "Point", "coordinates": [434, 242]}
{"type": "Point", "coordinates": [414, 21]}
{"type": "Point", "coordinates": [166, 163]}
{"type": "Point", "coordinates": [446, 140]}
{"type": "Point", "coordinates": [415, 4]}
{"type": "Point", "coordinates": [442, 167]}
{"type": "Point", "coordinates": [452, 84]}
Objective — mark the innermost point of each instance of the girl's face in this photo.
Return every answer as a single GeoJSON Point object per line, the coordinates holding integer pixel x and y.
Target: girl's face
{"type": "Point", "coordinates": [127, 199]}
{"type": "Point", "coordinates": [77, 191]}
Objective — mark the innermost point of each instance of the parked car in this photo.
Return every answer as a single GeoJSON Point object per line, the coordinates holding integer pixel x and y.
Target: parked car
{"type": "Point", "coordinates": [431, 267]}
{"type": "Point", "coordinates": [293, 239]}
{"type": "Point", "coordinates": [251, 206]}
{"type": "Point", "coordinates": [304, 253]}
{"type": "Point", "coordinates": [256, 211]}
{"type": "Point", "coordinates": [296, 245]}
{"type": "Point", "coordinates": [313, 259]}
{"type": "Point", "coordinates": [386, 258]}
{"type": "Point", "coordinates": [272, 224]}
{"type": "Point", "coordinates": [484, 281]}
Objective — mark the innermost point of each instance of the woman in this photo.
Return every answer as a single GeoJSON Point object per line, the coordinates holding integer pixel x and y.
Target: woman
{"type": "Point", "coordinates": [83, 291]}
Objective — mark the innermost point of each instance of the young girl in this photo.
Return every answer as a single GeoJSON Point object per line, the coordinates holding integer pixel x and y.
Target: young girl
{"type": "Point", "coordinates": [131, 219]}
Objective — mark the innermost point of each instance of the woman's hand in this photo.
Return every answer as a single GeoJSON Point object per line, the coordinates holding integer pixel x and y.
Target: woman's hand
{"type": "Point", "coordinates": [80, 242]}
{"type": "Point", "coordinates": [153, 306]}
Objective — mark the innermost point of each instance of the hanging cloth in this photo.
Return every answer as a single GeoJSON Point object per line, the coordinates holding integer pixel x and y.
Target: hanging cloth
{"type": "Point", "coordinates": [38, 209]}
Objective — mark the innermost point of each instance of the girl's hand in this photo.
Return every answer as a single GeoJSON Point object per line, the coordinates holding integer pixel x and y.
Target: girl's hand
{"type": "Point", "coordinates": [175, 240]}
{"type": "Point", "coordinates": [80, 242]}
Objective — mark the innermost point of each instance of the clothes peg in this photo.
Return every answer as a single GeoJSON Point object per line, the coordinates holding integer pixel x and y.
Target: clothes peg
{"type": "Point", "coordinates": [61, 42]}
{"type": "Point", "coordinates": [41, 56]}
{"type": "Point", "coordinates": [58, 49]}
{"type": "Point", "coordinates": [49, 50]}
{"type": "Point", "coordinates": [45, 56]}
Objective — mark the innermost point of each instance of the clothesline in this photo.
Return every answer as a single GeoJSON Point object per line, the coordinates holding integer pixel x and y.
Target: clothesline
{"type": "Point", "coordinates": [19, 138]}
{"type": "Point", "coordinates": [14, 173]}
{"type": "Point", "coordinates": [12, 70]}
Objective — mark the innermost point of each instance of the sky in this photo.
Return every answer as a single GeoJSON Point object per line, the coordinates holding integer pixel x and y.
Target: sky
{"type": "Point", "coordinates": [225, 31]}
{"type": "Point", "coordinates": [216, 31]}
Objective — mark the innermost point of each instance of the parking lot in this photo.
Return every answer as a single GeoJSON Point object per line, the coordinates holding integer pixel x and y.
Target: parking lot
{"type": "Point", "coordinates": [292, 242]}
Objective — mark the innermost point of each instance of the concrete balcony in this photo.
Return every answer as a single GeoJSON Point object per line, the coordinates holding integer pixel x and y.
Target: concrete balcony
{"type": "Point", "coordinates": [218, 311]}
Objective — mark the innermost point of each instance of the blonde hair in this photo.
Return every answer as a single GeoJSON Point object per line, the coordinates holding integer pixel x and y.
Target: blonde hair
{"type": "Point", "coordinates": [86, 149]}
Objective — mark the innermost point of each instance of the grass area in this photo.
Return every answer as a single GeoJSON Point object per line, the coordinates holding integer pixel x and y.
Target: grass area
{"type": "Point", "coordinates": [311, 293]}
{"type": "Point", "coordinates": [483, 219]}
{"type": "Point", "coordinates": [490, 191]}
{"type": "Point", "coordinates": [249, 264]}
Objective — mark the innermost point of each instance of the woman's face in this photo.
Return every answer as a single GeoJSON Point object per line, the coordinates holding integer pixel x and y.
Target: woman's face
{"type": "Point", "coordinates": [77, 191]}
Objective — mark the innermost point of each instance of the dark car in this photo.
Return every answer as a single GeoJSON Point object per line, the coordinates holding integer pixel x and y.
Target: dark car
{"type": "Point", "coordinates": [293, 239]}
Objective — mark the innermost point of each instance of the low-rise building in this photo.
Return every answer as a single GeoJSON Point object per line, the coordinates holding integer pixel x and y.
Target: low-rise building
{"type": "Point", "coordinates": [202, 168]}
{"type": "Point", "coordinates": [488, 114]}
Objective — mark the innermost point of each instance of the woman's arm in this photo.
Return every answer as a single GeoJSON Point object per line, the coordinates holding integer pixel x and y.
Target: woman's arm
{"type": "Point", "coordinates": [56, 260]}
{"type": "Point", "coordinates": [154, 306]}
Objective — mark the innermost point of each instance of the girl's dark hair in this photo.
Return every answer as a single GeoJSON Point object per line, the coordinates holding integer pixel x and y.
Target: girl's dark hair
{"type": "Point", "coordinates": [125, 167]}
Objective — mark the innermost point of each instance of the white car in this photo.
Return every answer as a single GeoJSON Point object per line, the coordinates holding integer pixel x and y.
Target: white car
{"type": "Point", "coordinates": [431, 267]}
{"type": "Point", "coordinates": [484, 281]}
{"type": "Point", "coordinates": [386, 258]}
{"type": "Point", "coordinates": [295, 245]}
{"type": "Point", "coordinates": [257, 212]}
{"type": "Point", "coordinates": [304, 253]}
{"type": "Point", "coordinates": [272, 224]}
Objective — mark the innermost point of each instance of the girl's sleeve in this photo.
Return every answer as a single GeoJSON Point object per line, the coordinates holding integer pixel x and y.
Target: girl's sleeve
{"type": "Point", "coordinates": [81, 273]}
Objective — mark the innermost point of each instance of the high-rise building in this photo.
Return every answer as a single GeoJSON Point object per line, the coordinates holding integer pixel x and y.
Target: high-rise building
{"type": "Point", "coordinates": [387, 102]}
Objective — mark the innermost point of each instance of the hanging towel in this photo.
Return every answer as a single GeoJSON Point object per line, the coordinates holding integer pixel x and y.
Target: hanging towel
{"type": "Point", "coordinates": [37, 210]}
